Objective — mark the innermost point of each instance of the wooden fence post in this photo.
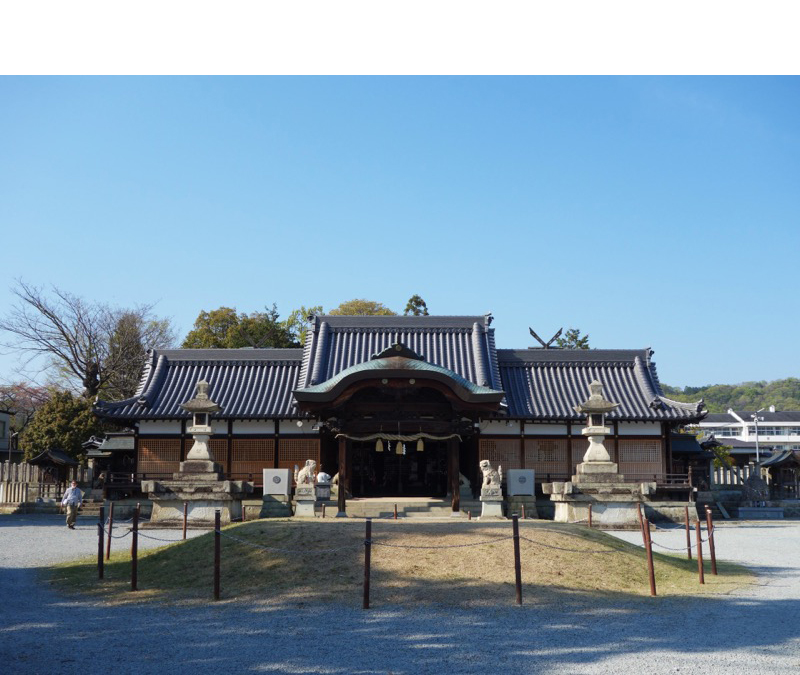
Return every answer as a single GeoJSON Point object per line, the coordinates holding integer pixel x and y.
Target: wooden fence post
{"type": "Point", "coordinates": [367, 561]}
{"type": "Point", "coordinates": [186, 517]}
{"type": "Point", "coordinates": [590, 515]}
{"type": "Point", "coordinates": [641, 523]}
{"type": "Point", "coordinates": [217, 535]}
{"type": "Point", "coordinates": [135, 549]}
{"type": "Point", "coordinates": [688, 535]}
{"type": "Point", "coordinates": [710, 530]}
{"type": "Point", "coordinates": [517, 563]}
{"type": "Point", "coordinates": [110, 528]}
{"type": "Point", "coordinates": [700, 574]}
{"type": "Point", "coordinates": [649, 548]}
{"type": "Point", "coordinates": [100, 550]}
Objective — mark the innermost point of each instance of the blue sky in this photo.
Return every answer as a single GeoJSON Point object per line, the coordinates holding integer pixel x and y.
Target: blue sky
{"type": "Point", "coordinates": [643, 210]}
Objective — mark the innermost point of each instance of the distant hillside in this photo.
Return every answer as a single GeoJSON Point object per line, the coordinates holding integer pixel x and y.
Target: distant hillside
{"type": "Point", "coordinates": [783, 394]}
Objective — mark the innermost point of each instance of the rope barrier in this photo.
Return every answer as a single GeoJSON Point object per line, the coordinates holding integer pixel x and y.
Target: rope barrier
{"type": "Point", "coordinates": [479, 543]}
{"type": "Point", "coordinates": [150, 536]}
{"type": "Point", "coordinates": [559, 548]}
{"type": "Point", "coordinates": [287, 550]}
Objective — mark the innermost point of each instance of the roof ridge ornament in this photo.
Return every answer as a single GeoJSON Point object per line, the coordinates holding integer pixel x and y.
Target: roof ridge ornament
{"type": "Point", "coordinates": [549, 343]}
{"type": "Point", "coordinates": [398, 349]}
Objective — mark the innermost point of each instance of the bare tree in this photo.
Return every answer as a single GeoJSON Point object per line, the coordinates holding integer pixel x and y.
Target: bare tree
{"type": "Point", "coordinates": [87, 343]}
{"type": "Point", "coordinates": [22, 400]}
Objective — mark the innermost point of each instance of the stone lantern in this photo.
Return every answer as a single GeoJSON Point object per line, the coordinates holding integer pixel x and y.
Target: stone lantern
{"type": "Point", "coordinates": [596, 462]}
{"type": "Point", "coordinates": [201, 407]}
{"type": "Point", "coordinates": [199, 485]}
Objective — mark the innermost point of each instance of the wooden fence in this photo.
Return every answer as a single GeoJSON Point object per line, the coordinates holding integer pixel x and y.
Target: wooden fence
{"type": "Point", "coordinates": [23, 482]}
{"type": "Point", "coordinates": [28, 473]}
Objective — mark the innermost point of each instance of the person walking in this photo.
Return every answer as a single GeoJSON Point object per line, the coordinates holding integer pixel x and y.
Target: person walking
{"type": "Point", "coordinates": [72, 499]}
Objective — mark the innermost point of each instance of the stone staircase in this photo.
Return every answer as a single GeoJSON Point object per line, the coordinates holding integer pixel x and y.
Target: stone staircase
{"type": "Point", "coordinates": [406, 508]}
{"type": "Point", "coordinates": [91, 508]}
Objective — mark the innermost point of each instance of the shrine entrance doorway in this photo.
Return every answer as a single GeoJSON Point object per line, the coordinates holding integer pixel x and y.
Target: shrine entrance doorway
{"type": "Point", "coordinates": [411, 473]}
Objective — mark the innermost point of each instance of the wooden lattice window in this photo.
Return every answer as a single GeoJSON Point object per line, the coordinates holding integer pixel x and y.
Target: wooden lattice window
{"type": "Point", "coordinates": [500, 451]}
{"type": "Point", "coordinates": [640, 457]}
{"type": "Point", "coordinates": [217, 446]}
{"type": "Point", "coordinates": [546, 456]}
{"type": "Point", "coordinates": [295, 451]}
{"type": "Point", "coordinates": [159, 455]}
{"type": "Point", "coordinates": [251, 456]}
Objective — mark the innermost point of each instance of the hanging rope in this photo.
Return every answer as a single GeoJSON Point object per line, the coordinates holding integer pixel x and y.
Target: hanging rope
{"type": "Point", "coordinates": [399, 437]}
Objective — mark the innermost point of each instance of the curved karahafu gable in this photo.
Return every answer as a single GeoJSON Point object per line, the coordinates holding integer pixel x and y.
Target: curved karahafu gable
{"type": "Point", "coordinates": [397, 362]}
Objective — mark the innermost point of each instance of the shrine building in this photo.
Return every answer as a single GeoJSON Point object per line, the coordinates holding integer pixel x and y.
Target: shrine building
{"type": "Point", "coordinates": [402, 406]}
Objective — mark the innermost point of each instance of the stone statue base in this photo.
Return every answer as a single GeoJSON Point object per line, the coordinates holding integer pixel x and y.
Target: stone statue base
{"type": "Point", "coordinates": [614, 502]}
{"type": "Point", "coordinates": [597, 472]}
{"type": "Point", "coordinates": [491, 502]}
{"type": "Point", "coordinates": [200, 484]}
{"type": "Point", "coordinates": [305, 498]}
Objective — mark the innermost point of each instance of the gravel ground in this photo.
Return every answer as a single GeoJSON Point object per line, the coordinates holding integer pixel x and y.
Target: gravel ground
{"type": "Point", "coordinates": [755, 630]}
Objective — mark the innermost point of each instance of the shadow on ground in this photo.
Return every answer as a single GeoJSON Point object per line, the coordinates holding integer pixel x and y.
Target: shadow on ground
{"type": "Point", "coordinates": [557, 630]}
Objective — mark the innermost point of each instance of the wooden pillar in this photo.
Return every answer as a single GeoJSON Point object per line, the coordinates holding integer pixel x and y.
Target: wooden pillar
{"type": "Point", "coordinates": [276, 447]}
{"type": "Point", "coordinates": [342, 501]}
{"type": "Point", "coordinates": [667, 454]}
{"type": "Point", "coordinates": [229, 445]}
{"type": "Point", "coordinates": [454, 470]}
{"type": "Point", "coordinates": [569, 449]}
{"type": "Point", "coordinates": [183, 441]}
{"type": "Point", "coordinates": [136, 449]}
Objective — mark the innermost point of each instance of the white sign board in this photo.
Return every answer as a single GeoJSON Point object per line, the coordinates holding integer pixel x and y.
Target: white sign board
{"type": "Point", "coordinates": [519, 482]}
{"type": "Point", "coordinates": [277, 482]}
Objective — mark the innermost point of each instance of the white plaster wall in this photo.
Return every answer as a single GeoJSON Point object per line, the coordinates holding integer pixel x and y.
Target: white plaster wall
{"type": "Point", "coordinates": [549, 429]}
{"type": "Point", "coordinates": [639, 429]}
{"type": "Point", "coordinates": [500, 428]}
{"type": "Point", "coordinates": [291, 428]}
{"type": "Point", "coordinates": [218, 428]}
{"type": "Point", "coordinates": [159, 427]}
{"type": "Point", "coordinates": [254, 427]}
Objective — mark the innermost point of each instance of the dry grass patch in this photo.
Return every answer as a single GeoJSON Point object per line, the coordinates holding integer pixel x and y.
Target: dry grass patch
{"type": "Point", "coordinates": [309, 561]}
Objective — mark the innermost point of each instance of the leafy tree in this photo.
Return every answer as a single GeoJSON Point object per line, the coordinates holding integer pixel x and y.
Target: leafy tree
{"type": "Point", "coordinates": [572, 340]}
{"type": "Point", "coordinates": [75, 335]}
{"type": "Point", "coordinates": [783, 394]}
{"type": "Point", "coordinates": [62, 423]}
{"type": "Point", "coordinates": [297, 322]}
{"type": "Point", "coordinates": [416, 306]}
{"type": "Point", "coordinates": [360, 307]}
{"type": "Point", "coordinates": [223, 328]}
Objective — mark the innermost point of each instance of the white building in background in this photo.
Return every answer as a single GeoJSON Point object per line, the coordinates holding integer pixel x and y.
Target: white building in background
{"type": "Point", "coordinates": [5, 438]}
{"type": "Point", "coordinates": [779, 430]}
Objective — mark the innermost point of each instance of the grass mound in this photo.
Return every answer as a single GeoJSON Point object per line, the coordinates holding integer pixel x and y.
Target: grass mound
{"type": "Point", "coordinates": [451, 563]}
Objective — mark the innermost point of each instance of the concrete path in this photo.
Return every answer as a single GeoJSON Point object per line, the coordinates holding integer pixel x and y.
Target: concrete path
{"type": "Point", "coordinates": [756, 630]}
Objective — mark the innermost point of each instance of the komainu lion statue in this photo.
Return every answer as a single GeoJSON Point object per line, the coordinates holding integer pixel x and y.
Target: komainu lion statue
{"type": "Point", "coordinates": [307, 474]}
{"type": "Point", "coordinates": [490, 476]}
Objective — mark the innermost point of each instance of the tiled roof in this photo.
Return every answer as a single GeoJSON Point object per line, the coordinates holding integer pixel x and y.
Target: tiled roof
{"type": "Point", "coordinates": [540, 384]}
{"type": "Point", "coordinates": [463, 344]}
{"type": "Point", "coordinates": [549, 383]}
{"type": "Point", "coordinates": [246, 383]}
